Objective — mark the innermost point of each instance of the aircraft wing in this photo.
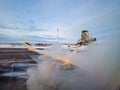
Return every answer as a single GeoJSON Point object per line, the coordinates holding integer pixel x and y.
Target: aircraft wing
{"type": "Point", "coordinates": [31, 48]}
{"type": "Point", "coordinates": [65, 61]}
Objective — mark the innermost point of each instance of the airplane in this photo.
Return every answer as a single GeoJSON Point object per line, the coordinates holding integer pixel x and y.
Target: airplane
{"type": "Point", "coordinates": [63, 57]}
{"type": "Point", "coordinates": [59, 57]}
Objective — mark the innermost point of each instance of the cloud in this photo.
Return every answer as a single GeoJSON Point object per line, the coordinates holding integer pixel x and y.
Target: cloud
{"type": "Point", "coordinates": [42, 18]}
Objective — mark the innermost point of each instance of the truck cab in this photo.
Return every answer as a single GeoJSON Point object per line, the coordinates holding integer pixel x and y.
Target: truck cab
{"type": "Point", "coordinates": [85, 39]}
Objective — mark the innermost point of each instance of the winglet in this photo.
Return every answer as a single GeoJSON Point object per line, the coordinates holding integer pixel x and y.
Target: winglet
{"type": "Point", "coordinates": [29, 46]}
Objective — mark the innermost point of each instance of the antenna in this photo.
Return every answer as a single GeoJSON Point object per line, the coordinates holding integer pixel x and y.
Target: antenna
{"type": "Point", "coordinates": [57, 35]}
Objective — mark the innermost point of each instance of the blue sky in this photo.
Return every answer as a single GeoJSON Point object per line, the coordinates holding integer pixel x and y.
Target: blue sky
{"type": "Point", "coordinates": [38, 20]}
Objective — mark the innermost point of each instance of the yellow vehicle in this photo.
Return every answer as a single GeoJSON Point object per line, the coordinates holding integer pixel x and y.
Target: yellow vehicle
{"type": "Point", "coordinates": [85, 39]}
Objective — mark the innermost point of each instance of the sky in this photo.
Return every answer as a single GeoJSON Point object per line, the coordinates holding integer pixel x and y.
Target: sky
{"type": "Point", "coordinates": [38, 20]}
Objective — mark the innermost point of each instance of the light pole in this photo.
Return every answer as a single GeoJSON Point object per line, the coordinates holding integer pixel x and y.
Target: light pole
{"type": "Point", "coordinates": [57, 35]}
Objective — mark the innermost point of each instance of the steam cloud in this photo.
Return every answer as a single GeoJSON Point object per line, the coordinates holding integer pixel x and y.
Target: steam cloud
{"type": "Point", "coordinates": [98, 70]}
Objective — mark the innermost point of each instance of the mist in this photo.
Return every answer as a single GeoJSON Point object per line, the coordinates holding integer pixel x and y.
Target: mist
{"type": "Point", "coordinates": [98, 69]}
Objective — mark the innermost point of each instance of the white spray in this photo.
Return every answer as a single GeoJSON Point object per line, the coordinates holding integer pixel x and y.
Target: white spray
{"type": "Point", "coordinates": [97, 70]}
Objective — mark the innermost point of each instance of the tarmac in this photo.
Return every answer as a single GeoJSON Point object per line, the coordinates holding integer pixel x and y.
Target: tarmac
{"type": "Point", "coordinates": [13, 65]}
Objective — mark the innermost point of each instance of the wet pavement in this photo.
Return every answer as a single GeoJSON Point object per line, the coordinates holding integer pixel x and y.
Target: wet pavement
{"type": "Point", "coordinates": [14, 63]}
